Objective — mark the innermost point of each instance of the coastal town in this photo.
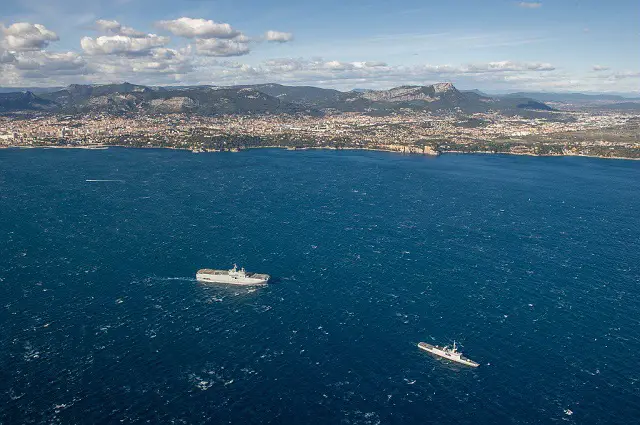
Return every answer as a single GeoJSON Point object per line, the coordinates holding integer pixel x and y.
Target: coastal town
{"type": "Point", "coordinates": [604, 134]}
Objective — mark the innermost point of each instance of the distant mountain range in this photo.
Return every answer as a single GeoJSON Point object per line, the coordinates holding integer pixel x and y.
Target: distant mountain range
{"type": "Point", "coordinates": [35, 90]}
{"type": "Point", "coordinates": [587, 101]}
{"type": "Point", "coordinates": [262, 99]}
{"type": "Point", "coordinates": [571, 97]}
{"type": "Point", "coordinates": [622, 106]}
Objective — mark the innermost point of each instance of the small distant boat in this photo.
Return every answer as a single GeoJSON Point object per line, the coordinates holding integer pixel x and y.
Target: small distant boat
{"type": "Point", "coordinates": [449, 353]}
{"type": "Point", "coordinates": [232, 276]}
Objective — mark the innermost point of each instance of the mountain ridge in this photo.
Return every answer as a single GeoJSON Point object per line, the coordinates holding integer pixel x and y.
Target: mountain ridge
{"type": "Point", "coordinates": [271, 98]}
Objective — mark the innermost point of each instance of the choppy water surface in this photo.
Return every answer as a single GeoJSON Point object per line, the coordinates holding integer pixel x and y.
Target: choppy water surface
{"type": "Point", "coordinates": [533, 264]}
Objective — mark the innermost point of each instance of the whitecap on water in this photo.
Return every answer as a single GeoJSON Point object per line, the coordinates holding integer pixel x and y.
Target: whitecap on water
{"type": "Point", "coordinates": [30, 352]}
{"type": "Point", "coordinates": [15, 396]}
{"type": "Point", "coordinates": [204, 385]}
{"type": "Point", "coordinates": [359, 417]}
{"type": "Point", "coordinates": [200, 383]}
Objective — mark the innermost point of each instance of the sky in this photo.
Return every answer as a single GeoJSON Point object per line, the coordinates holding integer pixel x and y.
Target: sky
{"type": "Point", "coordinates": [493, 45]}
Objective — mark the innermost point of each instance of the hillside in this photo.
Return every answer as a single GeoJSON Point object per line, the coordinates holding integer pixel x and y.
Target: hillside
{"type": "Point", "coordinates": [129, 98]}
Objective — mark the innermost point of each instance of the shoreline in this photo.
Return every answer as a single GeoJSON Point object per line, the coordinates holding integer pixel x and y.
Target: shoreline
{"type": "Point", "coordinates": [376, 149]}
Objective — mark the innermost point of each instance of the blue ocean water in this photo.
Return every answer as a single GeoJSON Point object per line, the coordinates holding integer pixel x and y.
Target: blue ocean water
{"type": "Point", "coordinates": [532, 264]}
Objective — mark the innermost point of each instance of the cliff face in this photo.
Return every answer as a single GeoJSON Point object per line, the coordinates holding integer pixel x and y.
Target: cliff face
{"type": "Point", "coordinates": [423, 150]}
{"type": "Point", "coordinates": [432, 93]}
{"type": "Point", "coordinates": [174, 104]}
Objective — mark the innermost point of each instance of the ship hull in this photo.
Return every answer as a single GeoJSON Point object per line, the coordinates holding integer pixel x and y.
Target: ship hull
{"type": "Point", "coordinates": [438, 351]}
{"type": "Point", "coordinates": [223, 277]}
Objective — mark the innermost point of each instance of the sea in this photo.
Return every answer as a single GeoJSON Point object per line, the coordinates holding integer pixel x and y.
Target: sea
{"type": "Point", "coordinates": [531, 264]}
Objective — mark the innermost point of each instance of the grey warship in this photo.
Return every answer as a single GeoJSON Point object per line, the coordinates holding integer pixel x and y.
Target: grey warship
{"type": "Point", "coordinates": [449, 353]}
{"type": "Point", "coordinates": [232, 276]}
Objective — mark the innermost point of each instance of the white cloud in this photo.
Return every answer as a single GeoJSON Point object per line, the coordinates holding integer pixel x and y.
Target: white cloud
{"type": "Point", "coordinates": [221, 48]}
{"type": "Point", "coordinates": [506, 66]}
{"type": "Point", "coordinates": [530, 4]}
{"type": "Point", "coordinates": [241, 38]}
{"type": "Point", "coordinates": [338, 66]}
{"type": "Point", "coordinates": [115, 28]}
{"type": "Point", "coordinates": [122, 45]}
{"type": "Point", "coordinates": [108, 26]}
{"type": "Point", "coordinates": [40, 65]}
{"type": "Point", "coordinates": [599, 68]}
{"type": "Point", "coordinates": [126, 54]}
{"type": "Point", "coordinates": [375, 64]}
{"type": "Point", "coordinates": [160, 66]}
{"type": "Point", "coordinates": [278, 37]}
{"type": "Point", "coordinates": [626, 74]}
{"type": "Point", "coordinates": [130, 32]}
{"type": "Point", "coordinates": [198, 28]}
{"type": "Point", "coordinates": [23, 36]}
{"type": "Point", "coordinates": [165, 61]}
{"type": "Point", "coordinates": [374, 74]}
{"type": "Point", "coordinates": [119, 53]}
{"type": "Point", "coordinates": [284, 65]}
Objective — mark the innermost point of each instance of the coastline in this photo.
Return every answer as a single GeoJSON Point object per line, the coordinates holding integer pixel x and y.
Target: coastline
{"type": "Point", "coordinates": [375, 149]}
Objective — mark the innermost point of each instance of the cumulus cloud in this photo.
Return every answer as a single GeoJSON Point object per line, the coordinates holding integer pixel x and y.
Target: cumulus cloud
{"type": "Point", "coordinates": [23, 58]}
{"type": "Point", "coordinates": [198, 28]}
{"type": "Point", "coordinates": [599, 68]}
{"type": "Point", "coordinates": [166, 61]}
{"type": "Point", "coordinates": [121, 40]}
{"type": "Point", "coordinates": [68, 63]}
{"type": "Point", "coordinates": [278, 37]}
{"type": "Point", "coordinates": [222, 48]}
{"type": "Point", "coordinates": [162, 65]}
{"type": "Point", "coordinates": [122, 44]}
{"type": "Point", "coordinates": [23, 36]}
{"type": "Point", "coordinates": [115, 28]}
{"type": "Point", "coordinates": [43, 65]}
{"type": "Point", "coordinates": [108, 26]}
{"type": "Point", "coordinates": [530, 4]}
{"type": "Point", "coordinates": [130, 32]}
{"type": "Point", "coordinates": [126, 53]}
